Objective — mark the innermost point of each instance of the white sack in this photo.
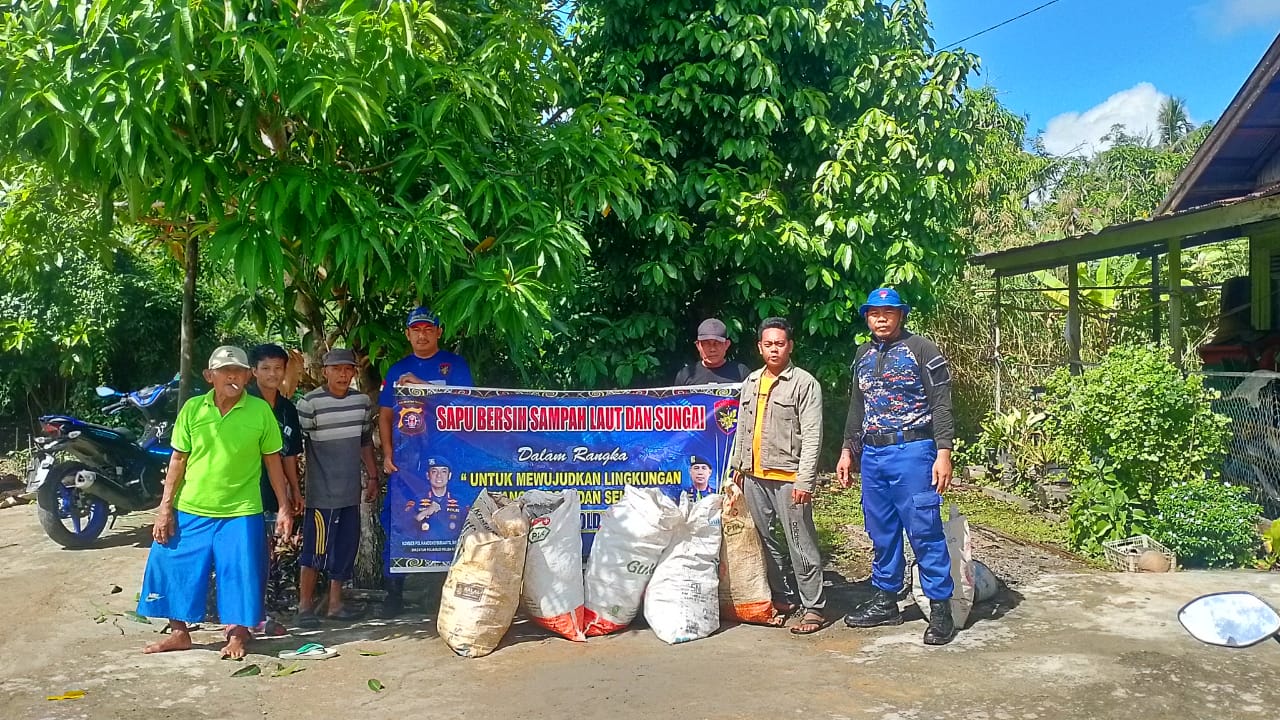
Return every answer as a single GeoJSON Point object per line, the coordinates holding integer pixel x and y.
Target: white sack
{"type": "Point", "coordinates": [633, 534]}
{"type": "Point", "coordinates": [682, 602]}
{"type": "Point", "coordinates": [960, 548]}
{"type": "Point", "coordinates": [553, 595]}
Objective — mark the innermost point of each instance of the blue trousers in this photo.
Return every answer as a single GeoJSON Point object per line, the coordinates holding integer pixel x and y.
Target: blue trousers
{"type": "Point", "coordinates": [897, 495]}
{"type": "Point", "coordinates": [175, 584]}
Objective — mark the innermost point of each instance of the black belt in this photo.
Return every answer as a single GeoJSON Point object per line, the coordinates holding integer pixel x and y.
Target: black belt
{"type": "Point", "coordinates": [894, 438]}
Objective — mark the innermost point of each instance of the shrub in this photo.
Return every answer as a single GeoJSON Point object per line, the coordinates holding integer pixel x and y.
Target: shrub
{"type": "Point", "coordinates": [1129, 428]}
{"type": "Point", "coordinates": [1016, 446]}
{"type": "Point", "coordinates": [1208, 523]}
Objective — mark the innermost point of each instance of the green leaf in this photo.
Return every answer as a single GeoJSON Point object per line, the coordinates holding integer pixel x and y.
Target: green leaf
{"type": "Point", "coordinates": [247, 671]}
{"type": "Point", "coordinates": [130, 614]}
{"type": "Point", "coordinates": [375, 685]}
{"type": "Point", "coordinates": [282, 671]}
{"type": "Point", "coordinates": [373, 653]}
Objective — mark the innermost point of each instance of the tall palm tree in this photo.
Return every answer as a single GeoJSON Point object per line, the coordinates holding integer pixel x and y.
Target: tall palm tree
{"type": "Point", "coordinates": [1173, 121]}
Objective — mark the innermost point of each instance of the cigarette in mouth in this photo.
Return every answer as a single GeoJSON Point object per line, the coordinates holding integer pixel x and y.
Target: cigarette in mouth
{"type": "Point", "coordinates": [234, 386]}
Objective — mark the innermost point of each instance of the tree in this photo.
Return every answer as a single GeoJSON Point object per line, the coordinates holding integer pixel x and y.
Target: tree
{"type": "Point", "coordinates": [1174, 123]}
{"type": "Point", "coordinates": [814, 150]}
{"type": "Point", "coordinates": [342, 159]}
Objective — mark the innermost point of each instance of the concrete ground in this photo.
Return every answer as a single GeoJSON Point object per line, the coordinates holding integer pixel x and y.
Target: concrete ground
{"type": "Point", "coordinates": [1065, 646]}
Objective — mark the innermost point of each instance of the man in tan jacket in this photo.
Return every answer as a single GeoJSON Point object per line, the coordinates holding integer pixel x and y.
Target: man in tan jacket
{"type": "Point", "coordinates": [775, 459]}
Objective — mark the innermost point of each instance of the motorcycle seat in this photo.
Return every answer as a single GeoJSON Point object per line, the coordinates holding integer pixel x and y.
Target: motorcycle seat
{"type": "Point", "coordinates": [125, 433]}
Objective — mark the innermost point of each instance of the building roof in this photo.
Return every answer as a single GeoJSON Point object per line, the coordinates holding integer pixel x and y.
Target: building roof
{"type": "Point", "coordinates": [1243, 142]}
{"type": "Point", "coordinates": [1215, 222]}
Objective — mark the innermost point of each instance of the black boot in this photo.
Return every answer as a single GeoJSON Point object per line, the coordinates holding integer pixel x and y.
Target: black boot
{"type": "Point", "coordinates": [942, 629]}
{"type": "Point", "coordinates": [879, 610]}
{"type": "Point", "coordinates": [394, 604]}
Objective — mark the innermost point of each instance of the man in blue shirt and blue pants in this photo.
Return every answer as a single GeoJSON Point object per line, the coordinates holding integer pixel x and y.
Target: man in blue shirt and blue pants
{"type": "Point", "coordinates": [900, 425]}
{"type": "Point", "coordinates": [427, 365]}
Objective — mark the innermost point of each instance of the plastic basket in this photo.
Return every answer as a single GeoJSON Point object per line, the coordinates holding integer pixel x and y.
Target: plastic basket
{"type": "Point", "coordinates": [1123, 554]}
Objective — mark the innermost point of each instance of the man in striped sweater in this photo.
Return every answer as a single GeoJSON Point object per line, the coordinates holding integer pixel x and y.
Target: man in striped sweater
{"type": "Point", "coordinates": [339, 436]}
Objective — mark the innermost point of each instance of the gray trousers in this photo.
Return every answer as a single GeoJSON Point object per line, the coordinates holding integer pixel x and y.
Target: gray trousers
{"type": "Point", "coordinates": [770, 500]}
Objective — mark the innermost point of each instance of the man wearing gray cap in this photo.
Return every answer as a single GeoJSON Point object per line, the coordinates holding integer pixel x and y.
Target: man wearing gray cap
{"type": "Point", "coordinates": [713, 343]}
{"type": "Point", "coordinates": [211, 511]}
{"type": "Point", "coordinates": [339, 433]}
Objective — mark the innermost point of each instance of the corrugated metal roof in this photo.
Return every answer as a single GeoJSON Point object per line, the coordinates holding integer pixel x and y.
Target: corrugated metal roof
{"type": "Point", "coordinates": [1240, 147]}
{"type": "Point", "coordinates": [1121, 240]}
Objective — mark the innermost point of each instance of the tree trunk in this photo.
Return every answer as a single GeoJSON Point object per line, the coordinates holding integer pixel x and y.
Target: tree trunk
{"type": "Point", "coordinates": [369, 570]}
{"type": "Point", "coordinates": [186, 366]}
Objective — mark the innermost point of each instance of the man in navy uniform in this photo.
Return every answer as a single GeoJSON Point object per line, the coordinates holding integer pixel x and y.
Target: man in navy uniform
{"type": "Point", "coordinates": [439, 515]}
{"type": "Point", "coordinates": [900, 425]}
{"type": "Point", "coordinates": [427, 365]}
{"type": "Point", "coordinates": [700, 475]}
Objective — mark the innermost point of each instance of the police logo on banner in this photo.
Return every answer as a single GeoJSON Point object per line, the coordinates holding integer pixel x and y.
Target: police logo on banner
{"type": "Point", "coordinates": [726, 413]}
{"type": "Point", "coordinates": [412, 418]}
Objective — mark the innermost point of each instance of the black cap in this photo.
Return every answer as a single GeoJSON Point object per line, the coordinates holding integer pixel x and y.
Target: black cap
{"type": "Point", "coordinates": [698, 460]}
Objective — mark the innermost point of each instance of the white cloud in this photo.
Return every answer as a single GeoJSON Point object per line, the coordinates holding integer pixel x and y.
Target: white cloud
{"type": "Point", "coordinates": [1080, 133]}
{"type": "Point", "coordinates": [1227, 17]}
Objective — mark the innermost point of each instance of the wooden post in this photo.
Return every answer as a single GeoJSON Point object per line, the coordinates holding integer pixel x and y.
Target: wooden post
{"type": "Point", "coordinates": [1155, 299]}
{"type": "Point", "coordinates": [1260, 245]}
{"type": "Point", "coordinates": [1175, 300]}
{"type": "Point", "coordinates": [995, 346]}
{"type": "Point", "coordinates": [1073, 317]}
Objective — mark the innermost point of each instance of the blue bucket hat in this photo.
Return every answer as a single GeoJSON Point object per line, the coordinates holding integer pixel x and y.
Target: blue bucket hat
{"type": "Point", "coordinates": [884, 297]}
{"type": "Point", "coordinates": [422, 314]}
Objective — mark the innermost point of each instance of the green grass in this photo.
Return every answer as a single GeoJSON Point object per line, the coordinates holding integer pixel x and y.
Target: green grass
{"type": "Point", "coordinates": [835, 509]}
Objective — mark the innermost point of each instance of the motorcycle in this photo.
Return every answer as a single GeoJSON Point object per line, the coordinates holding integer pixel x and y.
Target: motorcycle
{"type": "Point", "coordinates": [1230, 619]}
{"type": "Point", "coordinates": [114, 472]}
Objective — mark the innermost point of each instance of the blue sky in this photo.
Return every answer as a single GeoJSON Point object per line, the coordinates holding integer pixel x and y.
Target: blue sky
{"type": "Point", "coordinates": [1079, 66]}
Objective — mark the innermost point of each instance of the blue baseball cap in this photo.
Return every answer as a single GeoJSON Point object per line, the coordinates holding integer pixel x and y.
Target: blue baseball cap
{"type": "Point", "coordinates": [884, 297]}
{"type": "Point", "coordinates": [422, 314]}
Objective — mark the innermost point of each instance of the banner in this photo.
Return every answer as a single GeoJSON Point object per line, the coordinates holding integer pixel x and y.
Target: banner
{"type": "Point", "coordinates": [452, 442]}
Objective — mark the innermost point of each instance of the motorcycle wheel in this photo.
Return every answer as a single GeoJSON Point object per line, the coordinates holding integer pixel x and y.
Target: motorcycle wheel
{"type": "Point", "coordinates": [71, 518]}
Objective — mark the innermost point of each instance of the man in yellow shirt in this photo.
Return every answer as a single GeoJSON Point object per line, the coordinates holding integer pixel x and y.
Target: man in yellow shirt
{"type": "Point", "coordinates": [775, 459]}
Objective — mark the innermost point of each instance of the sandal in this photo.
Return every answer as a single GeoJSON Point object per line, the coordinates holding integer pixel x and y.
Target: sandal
{"type": "Point", "coordinates": [346, 614]}
{"type": "Point", "coordinates": [310, 651]}
{"type": "Point", "coordinates": [781, 613]}
{"type": "Point", "coordinates": [811, 623]}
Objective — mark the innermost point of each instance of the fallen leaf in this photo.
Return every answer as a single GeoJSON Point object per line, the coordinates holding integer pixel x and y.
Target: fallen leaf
{"type": "Point", "coordinates": [68, 695]}
{"type": "Point", "coordinates": [286, 671]}
{"type": "Point", "coordinates": [137, 618]}
{"type": "Point", "coordinates": [116, 589]}
{"type": "Point", "coordinates": [247, 670]}
{"type": "Point", "coordinates": [101, 618]}
{"type": "Point", "coordinates": [375, 685]}
{"type": "Point", "coordinates": [373, 653]}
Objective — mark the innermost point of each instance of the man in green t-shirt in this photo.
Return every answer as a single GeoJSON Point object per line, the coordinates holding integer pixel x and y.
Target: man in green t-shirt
{"type": "Point", "coordinates": [211, 511]}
